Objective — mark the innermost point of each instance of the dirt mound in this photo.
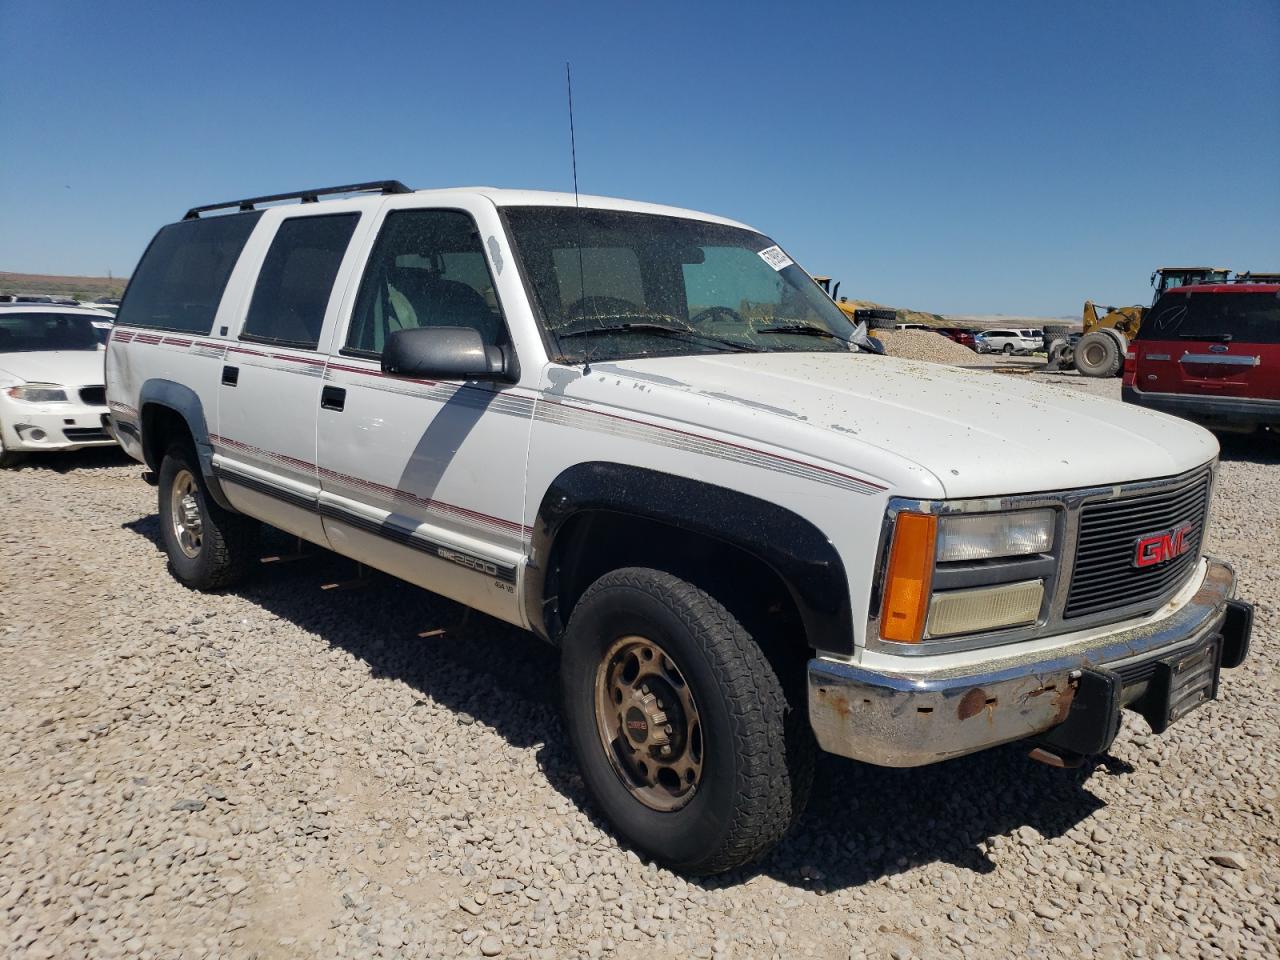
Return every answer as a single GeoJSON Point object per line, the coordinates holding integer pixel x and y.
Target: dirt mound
{"type": "Point", "coordinates": [924, 345]}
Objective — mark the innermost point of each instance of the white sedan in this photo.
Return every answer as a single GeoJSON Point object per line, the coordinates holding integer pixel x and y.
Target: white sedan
{"type": "Point", "coordinates": [52, 395]}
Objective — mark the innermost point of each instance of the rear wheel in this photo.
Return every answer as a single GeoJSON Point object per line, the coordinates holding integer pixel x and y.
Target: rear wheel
{"type": "Point", "coordinates": [209, 547]}
{"type": "Point", "coordinates": [1007, 350]}
{"type": "Point", "coordinates": [1098, 354]}
{"type": "Point", "coordinates": [680, 724]}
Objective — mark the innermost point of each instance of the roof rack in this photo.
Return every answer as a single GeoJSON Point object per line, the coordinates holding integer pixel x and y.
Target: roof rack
{"type": "Point", "coordinates": [306, 196]}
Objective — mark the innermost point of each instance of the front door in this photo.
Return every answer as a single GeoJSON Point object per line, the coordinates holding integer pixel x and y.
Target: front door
{"type": "Point", "coordinates": [424, 479]}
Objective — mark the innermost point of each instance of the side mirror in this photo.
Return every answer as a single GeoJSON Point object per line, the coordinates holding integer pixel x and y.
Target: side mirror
{"type": "Point", "coordinates": [444, 353]}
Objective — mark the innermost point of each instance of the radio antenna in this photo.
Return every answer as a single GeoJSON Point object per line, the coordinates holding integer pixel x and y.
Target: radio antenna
{"type": "Point", "coordinates": [573, 153]}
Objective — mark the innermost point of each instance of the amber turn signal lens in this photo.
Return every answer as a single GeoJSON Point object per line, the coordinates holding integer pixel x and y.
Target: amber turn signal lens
{"type": "Point", "coordinates": [907, 581]}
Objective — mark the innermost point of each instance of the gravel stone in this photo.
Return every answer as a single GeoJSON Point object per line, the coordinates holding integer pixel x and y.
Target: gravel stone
{"type": "Point", "coordinates": [1229, 859]}
{"type": "Point", "coordinates": [350, 810]}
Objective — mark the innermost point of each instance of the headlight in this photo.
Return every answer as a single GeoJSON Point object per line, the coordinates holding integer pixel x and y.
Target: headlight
{"type": "Point", "coordinates": [928, 592]}
{"type": "Point", "coordinates": [38, 393]}
{"type": "Point", "coordinates": [986, 536]}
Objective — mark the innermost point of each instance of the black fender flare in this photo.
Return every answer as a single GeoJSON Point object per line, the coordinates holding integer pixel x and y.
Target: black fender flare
{"type": "Point", "coordinates": [185, 402]}
{"type": "Point", "coordinates": [801, 555]}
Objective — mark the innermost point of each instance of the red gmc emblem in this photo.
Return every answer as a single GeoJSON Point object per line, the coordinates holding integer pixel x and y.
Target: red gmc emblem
{"type": "Point", "coordinates": [1157, 548]}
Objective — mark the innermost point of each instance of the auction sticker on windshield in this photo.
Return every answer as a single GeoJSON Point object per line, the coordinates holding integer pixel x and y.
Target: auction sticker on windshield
{"type": "Point", "coordinates": [775, 258]}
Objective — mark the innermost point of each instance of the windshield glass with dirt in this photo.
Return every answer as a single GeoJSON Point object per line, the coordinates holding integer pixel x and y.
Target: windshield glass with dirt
{"type": "Point", "coordinates": [31, 332]}
{"type": "Point", "coordinates": [612, 285]}
{"type": "Point", "coordinates": [1226, 317]}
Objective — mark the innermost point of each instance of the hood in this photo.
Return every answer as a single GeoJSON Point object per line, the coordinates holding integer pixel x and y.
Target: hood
{"type": "Point", "coordinates": [974, 433]}
{"type": "Point", "coordinates": [74, 368]}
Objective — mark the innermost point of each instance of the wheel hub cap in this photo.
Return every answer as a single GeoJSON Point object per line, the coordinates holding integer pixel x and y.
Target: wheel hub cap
{"type": "Point", "coordinates": [648, 723]}
{"type": "Point", "coordinates": [184, 509]}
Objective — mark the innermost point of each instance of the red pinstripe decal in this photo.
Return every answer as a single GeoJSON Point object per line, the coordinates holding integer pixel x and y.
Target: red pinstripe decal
{"type": "Point", "coordinates": [725, 443]}
{"type": "Point", "coordinates": [378, 374]}
{"type": "Point", "coordinates": [474, 516]}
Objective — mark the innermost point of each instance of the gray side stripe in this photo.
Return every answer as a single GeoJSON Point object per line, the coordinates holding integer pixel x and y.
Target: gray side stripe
{"type": "Point", "coordinates": [568, 416]}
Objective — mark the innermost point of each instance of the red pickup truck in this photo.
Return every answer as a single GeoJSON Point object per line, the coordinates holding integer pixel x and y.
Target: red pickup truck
{"type": "Point", "coordinates": [1210, 353]}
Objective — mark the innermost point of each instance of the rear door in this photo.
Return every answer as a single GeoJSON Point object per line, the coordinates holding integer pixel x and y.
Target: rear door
{"type": "Point", "coordinates": [273, 371]}
{"type": "Point", "coordinates": [1219, 343]}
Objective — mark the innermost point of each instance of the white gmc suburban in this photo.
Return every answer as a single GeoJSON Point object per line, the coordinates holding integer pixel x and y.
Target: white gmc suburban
{"type": "Point", "coordinates": [648, 436]}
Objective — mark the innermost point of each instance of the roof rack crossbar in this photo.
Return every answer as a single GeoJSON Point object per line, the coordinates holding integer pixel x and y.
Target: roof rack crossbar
{"type": "Point", "coordinates": [306, 196]}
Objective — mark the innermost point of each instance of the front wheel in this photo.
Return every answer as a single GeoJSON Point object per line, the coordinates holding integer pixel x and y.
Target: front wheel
{"type": "Point", "coordinates": [209, 547]}
{"type": "Point", "coordinates": [680, 725]}
{"type": "Point", "coordinates": [8, 458]}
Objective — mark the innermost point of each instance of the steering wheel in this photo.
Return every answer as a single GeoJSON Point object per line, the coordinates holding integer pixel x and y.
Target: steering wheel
{"type": "Point", "coordinates": [603, 306]}
{"type": "Point", "coordinates": [713, 313]}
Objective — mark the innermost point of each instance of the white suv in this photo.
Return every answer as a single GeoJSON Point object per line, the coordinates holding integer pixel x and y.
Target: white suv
{"type": "Point", "coordinates": [649, 437]}
{"type": "Point", "coordinates": [1010, 341]}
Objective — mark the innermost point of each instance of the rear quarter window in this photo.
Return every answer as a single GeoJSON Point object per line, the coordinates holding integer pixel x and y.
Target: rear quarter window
{"type": "Point", "coordinates": [181, 278]}
{"type": "Point", "coordinates": [1244, 317]}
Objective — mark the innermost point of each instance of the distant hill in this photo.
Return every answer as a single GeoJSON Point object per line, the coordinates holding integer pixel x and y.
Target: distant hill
{"type": "Point", "coordinates": [82, 288]}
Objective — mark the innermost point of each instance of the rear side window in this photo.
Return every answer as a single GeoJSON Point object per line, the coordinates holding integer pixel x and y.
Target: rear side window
{"type": "Point", "coordinates": [1242, 317]}
{"type": "Point", "coordinates": [180, 281]}
{"type": "Point", "coordinates": [292, 292]}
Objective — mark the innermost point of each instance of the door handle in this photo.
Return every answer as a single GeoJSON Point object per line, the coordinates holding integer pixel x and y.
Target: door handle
{"type": "Point", "coordinates": [333, 398]}
{"type": "Point", "coordinates": [230, 376]}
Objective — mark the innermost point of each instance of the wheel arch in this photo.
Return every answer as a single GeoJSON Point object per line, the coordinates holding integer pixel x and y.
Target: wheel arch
{"type": "Point", "coordinates": [166, 409]}
{"type": "Point", "coordinates": [597, 516]}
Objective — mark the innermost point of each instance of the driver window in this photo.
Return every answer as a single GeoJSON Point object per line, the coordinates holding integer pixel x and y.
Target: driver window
{"type": "Point", "coordinates": [427, 269]}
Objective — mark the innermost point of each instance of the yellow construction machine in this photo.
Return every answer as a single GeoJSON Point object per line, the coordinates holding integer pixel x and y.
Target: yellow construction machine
{"type": "Point", "coordinates": [833, 291]}
{"type": "Point", "coordinates": [1100, 351]}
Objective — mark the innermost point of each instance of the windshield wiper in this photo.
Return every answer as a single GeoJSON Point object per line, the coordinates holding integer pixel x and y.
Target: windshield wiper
{"type": "Point", "coordinates": [648, 326]}
{"type": "Point", "coordinates": [1220, 337]}
{"type": "Point", "coordinates": [804, 329]}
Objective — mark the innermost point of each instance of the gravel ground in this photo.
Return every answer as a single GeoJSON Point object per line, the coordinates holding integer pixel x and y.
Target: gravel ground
{"type": "Point", "coordinates": [924, 345]}
{"type": "Point", "coordinates": [291, 771]}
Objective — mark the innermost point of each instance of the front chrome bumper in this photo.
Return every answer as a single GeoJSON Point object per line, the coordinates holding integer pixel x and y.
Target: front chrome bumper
{"type": "Point", "coordinates": [911, 719]}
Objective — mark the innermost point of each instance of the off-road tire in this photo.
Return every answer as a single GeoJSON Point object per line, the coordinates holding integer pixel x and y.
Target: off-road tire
{"type": "Point", "coordinates": [758, 754]}
{"type": "Point", "coordinates": [1099, 354]}
{"type": "Point", "coordinates": [1062, 328]}
{"type": "Point", "coordinates": [228, 551]}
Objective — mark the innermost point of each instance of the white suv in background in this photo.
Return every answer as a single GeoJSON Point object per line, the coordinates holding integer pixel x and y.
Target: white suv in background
{"type": "Point", "coordinates": [1010, 341]}
{"type": "Point", "coordinates": [648, 436]}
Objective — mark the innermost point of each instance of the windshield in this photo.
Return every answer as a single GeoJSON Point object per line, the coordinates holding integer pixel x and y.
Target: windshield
{"type": "Point", "coordinates": [613, 285]}
{"type": "Point", "coordinates": [28, 332]}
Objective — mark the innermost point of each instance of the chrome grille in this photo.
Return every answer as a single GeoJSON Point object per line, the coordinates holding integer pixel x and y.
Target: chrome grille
{"type": "Point", "coordinates": [1104, 576]}
{"type": "Point", "coordinates": [94, 396]}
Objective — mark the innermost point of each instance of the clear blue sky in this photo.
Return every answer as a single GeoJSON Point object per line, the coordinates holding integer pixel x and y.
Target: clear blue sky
{"type": "Point", "coordinates": [957, 157]}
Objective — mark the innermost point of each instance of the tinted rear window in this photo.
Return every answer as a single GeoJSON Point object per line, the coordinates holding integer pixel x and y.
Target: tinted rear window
{"type": "Point", "coordinates": [1244, 317]}
{"type": "Point", "coordinates": [180, 280]}
{"type": "Point", "coordinates": [296, 279]}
